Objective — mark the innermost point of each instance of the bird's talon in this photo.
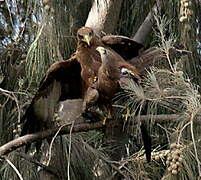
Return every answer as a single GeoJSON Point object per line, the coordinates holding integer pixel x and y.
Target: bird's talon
{"type": "Point", "coordinates": [104, 120]}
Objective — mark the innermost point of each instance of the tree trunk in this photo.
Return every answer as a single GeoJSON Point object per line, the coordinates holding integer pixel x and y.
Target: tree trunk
{"type": "Point", "coordinates": [104, 15]}
{"type": "Point", "coordinates": [146, 26]}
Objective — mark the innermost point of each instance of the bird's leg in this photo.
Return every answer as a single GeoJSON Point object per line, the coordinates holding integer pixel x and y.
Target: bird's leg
{"type": "Point", "coordinates": [127, 114]}
{"type": "Point", "coordinates": [104, 120]}
{"type": "Point", "coordinates": [84, 106]}
{"type": "Point", "coordinates": [90, 98]}
{"type": "Point", "coordinates": [108, 116]}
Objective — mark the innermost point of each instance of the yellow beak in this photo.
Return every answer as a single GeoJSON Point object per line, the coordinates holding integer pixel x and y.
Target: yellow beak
{"type": "Point", "coordinates": [87, 39]}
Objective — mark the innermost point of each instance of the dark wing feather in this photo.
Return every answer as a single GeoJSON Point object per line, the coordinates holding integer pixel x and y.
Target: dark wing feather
{"type": "Point", "coordinates": [146, 141]}
{"type": "Point", "coordinates": [62, 81]}
{"type": "Point", "coordinates": [124, 46]}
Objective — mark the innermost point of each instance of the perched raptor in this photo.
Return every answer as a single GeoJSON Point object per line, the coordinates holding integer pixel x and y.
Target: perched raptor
{"type": "Point", "coordinates": [112, 69]}
{"type": "Point", "coordinates": [72, 78]}
{"type": "Point", "coordinates": [111, 76]}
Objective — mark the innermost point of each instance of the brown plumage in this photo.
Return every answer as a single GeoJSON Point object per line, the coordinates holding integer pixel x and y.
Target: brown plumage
{"type": "Point", "coordinates": [89, 58]}
{"type": "Point", "coordinates": [111, 71]}
{"type": "Point", "coordinates": [90, 98]}
{"type": "Point", "coordinates": [111, 75]}
{"type": "Point", "coordinates": [62, 81]}
{"type": "Point", "coordinates": [87, 55]}
{"type": "Point", "coordinates": [125, 46]}
{"type": "Point", "coordinates": [70, 79]}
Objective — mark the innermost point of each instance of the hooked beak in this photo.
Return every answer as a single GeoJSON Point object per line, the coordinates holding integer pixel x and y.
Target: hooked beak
{"type": "Point", "coordinates": [87, 39]}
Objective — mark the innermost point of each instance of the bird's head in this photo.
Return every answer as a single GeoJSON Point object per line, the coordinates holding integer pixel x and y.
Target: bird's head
{"type": "Point", "coordinates": [85, 34]}
{"type": "Point", "coordinates": [101, 50]}
{"type": "Point", "coordinates": [126, 72]}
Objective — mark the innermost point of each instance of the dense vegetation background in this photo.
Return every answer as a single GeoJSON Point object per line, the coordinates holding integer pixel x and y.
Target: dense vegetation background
{"type": "Point", "coordinates": [36, 33]}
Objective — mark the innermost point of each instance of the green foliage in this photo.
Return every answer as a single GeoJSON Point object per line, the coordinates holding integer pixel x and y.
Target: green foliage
{"type": "Point", "coordinates": [46, 36]}
{"type": "Point", "coordinates": [49, 36]}
{"type": "Point", "coordinates": [77, 156]}
{"type": "Point", "coordinates": [165, 90]}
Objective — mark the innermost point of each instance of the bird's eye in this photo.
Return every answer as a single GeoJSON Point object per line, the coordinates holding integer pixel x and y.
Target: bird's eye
{"type": "Point", "coordinates": [80, 36]}
{"type": "Point", "coordinates": [124, 71]}
{"type": "Point", "coordinates": [91, 33]}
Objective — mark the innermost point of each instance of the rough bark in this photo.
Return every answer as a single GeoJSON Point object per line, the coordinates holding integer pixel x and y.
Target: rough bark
{"type": "Point", "coordinates": [104, 15]}
{"type": "Point", "coordinates": [82, 127]}
{"type": "Point", "coordinates": [27, 139]}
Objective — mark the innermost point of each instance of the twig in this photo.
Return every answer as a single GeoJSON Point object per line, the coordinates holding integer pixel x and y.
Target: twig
{"type": "Point", "coordinates": [69, 150]}
{"type": "Point", "coordinates": [118, 170]}
{"type": "Point", "coordinates": [18, 107]}
{"type": "Point", "coordinates": [111, 163]}
{"type": "Point", "coordinates": [11, 95]}
{"type": "Point", "coordinates": [83, 127]}
{"type": "Point", "coordinates": [180, 134]}
{"type": "Point", "coordinates": [194, 145]}
{"type": "Point", "coordinates": [51, 144]}
{"type": "Point", "coordinates": [14, 168]}
{"type": "Point", "coordinates": [34, 161]}
{"type": "Point", "coordinates": [27, 139]}
{"type": "Point", "coordinates": [166, 132]}
{"type": "Point", "coordinates": [10, 14]}
{"type": "Point", "coordinates": [10, 92]}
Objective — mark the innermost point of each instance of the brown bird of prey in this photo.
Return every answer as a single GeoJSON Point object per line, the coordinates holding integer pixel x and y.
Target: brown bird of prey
{"type": "Point", "coordinates": [111, 71]}
{"type": "Point", "coordinates": [111, 75]}
{"type": "Point", "coordinates": [72, 78]}
{"type": "Point", "coordinates": [89, 58]}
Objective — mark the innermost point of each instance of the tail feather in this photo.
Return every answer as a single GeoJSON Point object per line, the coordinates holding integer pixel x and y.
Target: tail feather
{"type": "Point", "coordinates": [147, 141]}
{"type": "Point", "coordinates": [30, 125]}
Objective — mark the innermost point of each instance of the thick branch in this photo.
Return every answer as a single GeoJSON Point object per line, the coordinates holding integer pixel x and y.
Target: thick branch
{"type": "Point", "coordinates": [27, 139]}
{"type": "Point", "coordinates": [104, 15]}
{"type": "Point", "coordinates": [82, 127]}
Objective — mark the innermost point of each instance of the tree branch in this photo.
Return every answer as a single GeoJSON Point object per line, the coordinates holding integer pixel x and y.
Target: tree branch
{"type": "Point", "coordinates": [82, 127]}
{"type": "Point", "coordinates": [27, 139]}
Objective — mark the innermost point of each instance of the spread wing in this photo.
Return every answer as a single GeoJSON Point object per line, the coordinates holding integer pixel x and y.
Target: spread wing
{"type": "Point", "coordinates": [62, 81]}
{"type": "Point", "coordinates": [124, 46]}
